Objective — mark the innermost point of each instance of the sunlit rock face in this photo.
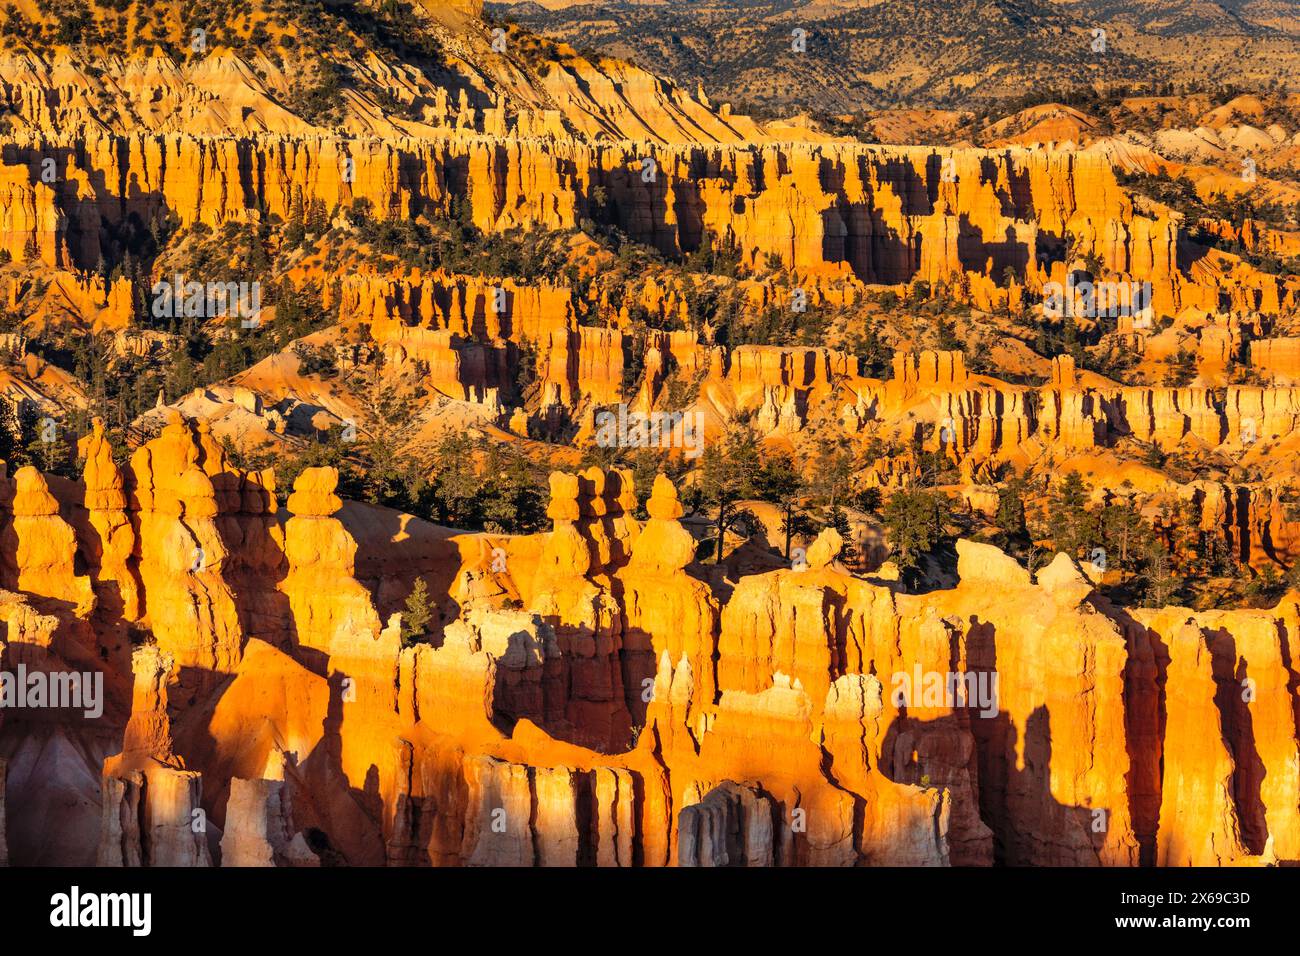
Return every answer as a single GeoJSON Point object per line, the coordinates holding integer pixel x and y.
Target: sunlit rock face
{"type": "Point", "coordinates": [877, 214]}
{"type": "Point", "coordinates": [626, 715]}
{"type": "Point", "coordinates": [593, 694]}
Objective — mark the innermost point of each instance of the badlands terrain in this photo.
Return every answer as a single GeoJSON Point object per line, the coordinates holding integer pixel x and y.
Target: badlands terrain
{"type": "Point", "coordinates": [331, 340]}
{"type": "Point", "coordinates": [959, 54]}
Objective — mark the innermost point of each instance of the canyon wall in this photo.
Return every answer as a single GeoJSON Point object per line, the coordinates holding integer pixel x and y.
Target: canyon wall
{"type": "Point", "coordinates": [592, 700]}
{"type": "Point", "coordinates": [879, 214]}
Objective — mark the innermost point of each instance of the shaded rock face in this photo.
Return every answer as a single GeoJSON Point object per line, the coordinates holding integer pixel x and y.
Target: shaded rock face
{"type": "Point", "coordinates": [152, 812]}
{"type": "Point", "coordinates": [730, 826]}
{"type": "Point", "coordinates": [594, 703]}
{"type": "Point", "coordinates": [150, 820]}
{"type": "Point", "coordinates": [259, 830]}
{"type": "Point", "coordinates": [1232, 675]}
{"type": "Point", "coordinates": [554, 816]}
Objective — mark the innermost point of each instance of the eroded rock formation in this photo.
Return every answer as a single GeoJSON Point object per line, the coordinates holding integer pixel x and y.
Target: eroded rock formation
{"type": "Point", "coordinates": [619, 712]}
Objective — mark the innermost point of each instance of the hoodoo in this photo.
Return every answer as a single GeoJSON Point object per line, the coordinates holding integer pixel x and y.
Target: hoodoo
{"type": "Point", "coordinates": [439, 442]}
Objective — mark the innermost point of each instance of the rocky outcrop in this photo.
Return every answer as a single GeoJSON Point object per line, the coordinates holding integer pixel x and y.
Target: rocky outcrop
{"type": "Point", "coordinates": [1209, 835]}
{"type": "Point", "coordinates": [1279, 357]}
{"type": "Point", "coordinates": [259, 828]}
{"type": "Point", "coordinates": [592, 695]}
{"type": "Point", "coordinates": [181, 553]}
{"type": "Point", "coordinates": [547, 816]}
{"type": "Point", "coordinates": [624, 712]}
{"type": "Point", "coordinates": [875, 214]}
{"type": "Point", "coordinates": [152, 812]}
{"type": "Point", "coordinates": [1231, 672]}
{"type": "Point", "coordinates": [671, 618]}
{"type": "Point", "coordinates": [113, 541]}
{"type": "Point", "coordinates": [572, 594]}
{"type": "Point", "coordinates": [43, 546]}
{"type": "Point", "coordinates": [729, 826]}
{"type": "Point", "coordinates": [491, 666]}
{"type": "Point", "coordinates": [472, 307]}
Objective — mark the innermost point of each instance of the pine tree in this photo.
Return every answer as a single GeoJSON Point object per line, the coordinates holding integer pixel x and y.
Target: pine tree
{"type": "Point", "coordinates": [1011, 513]}
{"type": "Point", "coordinates": [914, 520]}
{"type": "Point", "coordinates": [781, 483]}
{"type": "Point", "coordinates": [10, 434]}
{"type": "Point", "coordinates": [295, 231]}
{"type": "Point", "coordinates": [729, 473]}
{"type": "Point", "coordinates": [1163, 583]}
{"type": "Point", "coordinates": [840, 522]}
{"type": "Point", "coordinates": [1069, 523]}
{"type": "Point", "coordinates": [831, 474]}
{"type": "Point", "coordinates": [416, 614]}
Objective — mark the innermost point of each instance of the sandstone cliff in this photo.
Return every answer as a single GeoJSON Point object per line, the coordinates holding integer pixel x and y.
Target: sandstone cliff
{"type": "Point", "coordinates": [628, 716]}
